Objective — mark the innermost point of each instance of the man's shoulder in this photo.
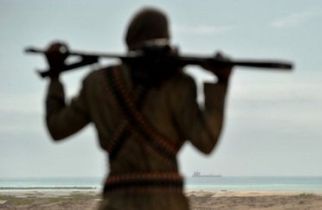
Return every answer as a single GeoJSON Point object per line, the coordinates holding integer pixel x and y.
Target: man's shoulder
{"type": "Point", "coordinates": [100, 73]}
{"type": "Point", "coordinates": [95, 74]}
{"type": "Point", "coordinates": [97, 78]}
{"type": "Point", "coordinates": [182, 79]}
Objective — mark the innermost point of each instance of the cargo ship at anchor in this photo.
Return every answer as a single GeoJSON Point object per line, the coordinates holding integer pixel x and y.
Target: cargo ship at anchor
{"type": "Point", "coordinates": [198, 174]}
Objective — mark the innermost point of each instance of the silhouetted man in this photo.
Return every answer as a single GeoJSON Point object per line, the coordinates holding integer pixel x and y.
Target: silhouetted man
{"type": "Point", "coordinates": [142, 121]}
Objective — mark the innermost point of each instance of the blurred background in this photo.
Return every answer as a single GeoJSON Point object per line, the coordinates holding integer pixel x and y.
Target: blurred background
{"type": "Point", "coordinates": [273, 119]}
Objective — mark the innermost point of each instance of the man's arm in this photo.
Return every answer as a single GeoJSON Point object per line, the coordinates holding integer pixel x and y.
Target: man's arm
{"type": "Point", "coordinates": [62, 119]}
{"type": "Point", "coordinates": [202, 127]}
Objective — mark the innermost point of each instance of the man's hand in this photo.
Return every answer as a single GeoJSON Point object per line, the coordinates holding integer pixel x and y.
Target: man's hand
{"type": "Point", "coordinates": [56, 54]}
{"type": "Point", "coordinates": [222, 72]}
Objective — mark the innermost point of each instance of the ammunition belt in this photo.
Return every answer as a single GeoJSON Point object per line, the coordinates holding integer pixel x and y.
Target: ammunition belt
{"type": "Point", "coordinates": [144, 182]}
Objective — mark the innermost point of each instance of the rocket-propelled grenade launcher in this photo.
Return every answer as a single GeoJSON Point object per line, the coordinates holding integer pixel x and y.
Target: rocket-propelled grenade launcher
{"type": "Point", "coordinates": [156, 55]}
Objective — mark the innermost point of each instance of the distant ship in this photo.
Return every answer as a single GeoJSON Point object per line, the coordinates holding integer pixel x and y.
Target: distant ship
{"type": "Point", "coordinates": [198, 174]}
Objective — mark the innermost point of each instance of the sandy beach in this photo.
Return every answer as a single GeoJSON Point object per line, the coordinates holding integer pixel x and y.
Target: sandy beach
{"type": "Point", "coordinates": [199, 200]}
{"type": "Point", "coordinates": [228, 200]}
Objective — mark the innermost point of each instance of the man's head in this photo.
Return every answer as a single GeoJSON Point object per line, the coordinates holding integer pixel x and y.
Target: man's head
{"type": "Point", "coordinates": [147, 24]}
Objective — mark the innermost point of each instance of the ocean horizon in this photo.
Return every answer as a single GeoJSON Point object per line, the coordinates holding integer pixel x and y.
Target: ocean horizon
{"type": "Point", "coordinates": [223, 183]}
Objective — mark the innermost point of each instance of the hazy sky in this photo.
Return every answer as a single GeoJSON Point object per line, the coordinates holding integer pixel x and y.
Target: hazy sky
{"type": "Point", "coordinates": [273, 123]}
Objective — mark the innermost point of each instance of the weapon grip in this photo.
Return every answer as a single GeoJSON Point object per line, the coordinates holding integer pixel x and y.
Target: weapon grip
{"type": "Point", "coordinates": [43, 74]}
{"type": "Point", "coordinates": [34, 50]}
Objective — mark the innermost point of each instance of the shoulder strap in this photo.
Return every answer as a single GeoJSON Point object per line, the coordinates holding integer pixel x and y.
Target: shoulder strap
{"type": "Point", "coordinates": [137, 120]}
{"type": "Point", "coordinates": [123, 130]}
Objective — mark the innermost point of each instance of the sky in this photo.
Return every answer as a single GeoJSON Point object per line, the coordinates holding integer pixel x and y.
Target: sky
{"type": "Point", "coordinates": [273, 119]}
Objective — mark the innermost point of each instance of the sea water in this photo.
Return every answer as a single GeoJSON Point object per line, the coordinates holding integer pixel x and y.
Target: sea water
{"type": "Point", "coordinates": [285, 184]}
{"type": "Point", "coordinates": [51, 183]}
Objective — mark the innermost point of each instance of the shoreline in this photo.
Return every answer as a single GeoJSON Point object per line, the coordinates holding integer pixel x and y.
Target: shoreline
{"type": "Point", "coordinates": [47, 188]}
{"type": "Point", "coordinates": [73, 199]}
{"type": "Point", "coordinates": [214, 192]}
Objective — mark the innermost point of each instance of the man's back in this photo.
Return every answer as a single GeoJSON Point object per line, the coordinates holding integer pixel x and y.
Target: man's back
{"type": "Point", "coordinates": [171, 110]}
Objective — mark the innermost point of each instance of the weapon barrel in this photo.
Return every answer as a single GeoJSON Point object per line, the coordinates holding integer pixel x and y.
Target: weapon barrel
{"type": "Point", "coordinates": [265, 64]}
{"type": "Point", "coordinates": [270, 64]}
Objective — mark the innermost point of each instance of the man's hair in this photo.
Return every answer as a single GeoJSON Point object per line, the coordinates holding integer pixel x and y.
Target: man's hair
{"type": "Point", "coordinates": [147, 24]}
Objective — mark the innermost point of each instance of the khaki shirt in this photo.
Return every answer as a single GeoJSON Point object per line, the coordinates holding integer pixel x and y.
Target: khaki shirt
{"type": "Point", "coordinates": [171, 108]}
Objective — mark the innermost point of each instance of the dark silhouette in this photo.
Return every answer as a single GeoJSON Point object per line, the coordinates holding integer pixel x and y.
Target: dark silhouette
{"type": "Point", "coordinates": [142, 120]}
